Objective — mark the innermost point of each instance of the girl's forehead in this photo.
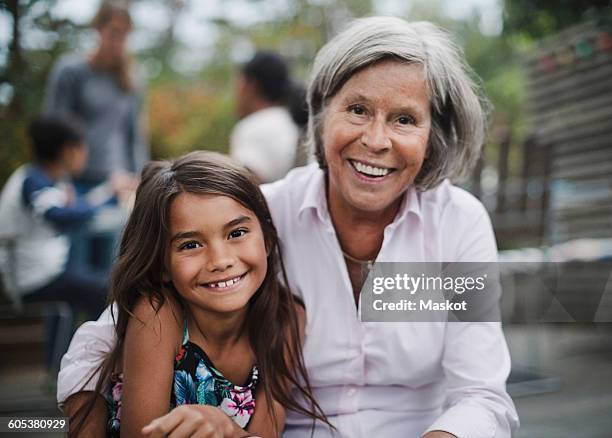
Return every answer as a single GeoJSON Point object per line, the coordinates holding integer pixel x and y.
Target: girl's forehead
{"type": "Point", "coordinates": [191, 210]}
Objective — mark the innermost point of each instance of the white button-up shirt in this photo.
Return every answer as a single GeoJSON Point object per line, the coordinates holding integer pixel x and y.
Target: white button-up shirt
{"type": "Point", "coordinates": [388, 380]}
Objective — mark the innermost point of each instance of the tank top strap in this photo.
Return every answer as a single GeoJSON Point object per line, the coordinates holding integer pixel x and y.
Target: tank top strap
{"type": "Point", "coordinates": [185, 334]}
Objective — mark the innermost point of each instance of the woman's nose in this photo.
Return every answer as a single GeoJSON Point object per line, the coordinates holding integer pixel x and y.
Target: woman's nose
{"type": "Point", "coordinates": [375, 136]}
{"type": "Point", "coordinates": [220, 258]}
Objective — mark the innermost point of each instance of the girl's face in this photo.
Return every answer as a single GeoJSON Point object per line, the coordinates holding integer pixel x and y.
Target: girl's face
{"type": "Point", "coordinates": [217, 253]}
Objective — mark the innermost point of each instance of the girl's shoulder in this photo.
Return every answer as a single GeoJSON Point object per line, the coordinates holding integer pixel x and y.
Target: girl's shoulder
{"type": "Point", "coordinates": [162, 319]}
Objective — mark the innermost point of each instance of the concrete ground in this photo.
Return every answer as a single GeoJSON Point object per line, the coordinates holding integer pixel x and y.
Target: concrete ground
{"type": "Point", "coordinates": [576, 365]}
{"type": "Point", "coordinates": [568, 393]}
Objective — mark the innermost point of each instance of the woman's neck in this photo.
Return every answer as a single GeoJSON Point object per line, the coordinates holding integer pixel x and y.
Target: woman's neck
{"type": "Point", "coordinates": [360, 233]}
{"type": "Point", "coordinates": [102, 60]}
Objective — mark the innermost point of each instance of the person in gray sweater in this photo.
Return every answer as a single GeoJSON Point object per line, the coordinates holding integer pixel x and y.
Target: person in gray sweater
{"type": "Point", "coordinates": [101, 93]}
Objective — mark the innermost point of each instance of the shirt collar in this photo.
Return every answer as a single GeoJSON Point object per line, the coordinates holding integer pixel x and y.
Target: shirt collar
{"type": "Point", "coordinates": [410, 205]}
{"type": "Point", "coordinates": [315, 199]}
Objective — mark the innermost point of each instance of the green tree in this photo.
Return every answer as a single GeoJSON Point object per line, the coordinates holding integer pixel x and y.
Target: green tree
{"type": "Point", "coordinates": [23, 72]}
{"type": "Point", "coordinates": [540, 18]}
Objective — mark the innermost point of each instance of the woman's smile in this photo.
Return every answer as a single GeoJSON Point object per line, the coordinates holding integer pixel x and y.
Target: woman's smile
{"type": "Point", "coordinates": [375, 136]}
{"type": "Point", "coordinates": [371, 172]}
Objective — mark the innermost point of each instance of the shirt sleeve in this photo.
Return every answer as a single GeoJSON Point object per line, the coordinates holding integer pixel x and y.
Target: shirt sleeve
{"type": "Point", "coordinates": [476, 361]}
{"type": "Point", "coordinates": [80, 366]}
{"type": "Point", "coordinates": [51, 203]}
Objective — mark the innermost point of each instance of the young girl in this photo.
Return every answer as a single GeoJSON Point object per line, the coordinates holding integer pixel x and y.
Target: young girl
{"type": "Point", "coordinates": [202, 316]}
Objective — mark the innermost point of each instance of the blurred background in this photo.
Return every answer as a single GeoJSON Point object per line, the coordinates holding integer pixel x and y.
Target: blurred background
{"type": "Point", "coordinates": [545, 175]}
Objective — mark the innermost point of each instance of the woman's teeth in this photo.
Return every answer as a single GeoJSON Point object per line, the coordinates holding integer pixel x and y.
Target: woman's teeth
{"type": "Point", "coordinates": [226, 283]}
{"type": "Point", "coordinates": [369, 170]}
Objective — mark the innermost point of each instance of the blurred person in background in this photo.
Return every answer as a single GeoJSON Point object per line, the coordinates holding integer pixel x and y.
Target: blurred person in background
{"type": "Point", "coordinates": [298, 107]}
{"type": "Point", "coordinates": [100, 91]}
{"type": "Point", "coordinates": [38, 209]}
{"type": "Point", "coordinates": [265, 140]}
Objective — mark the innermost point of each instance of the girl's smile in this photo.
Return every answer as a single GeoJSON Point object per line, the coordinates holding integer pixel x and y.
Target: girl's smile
{"type": "Point", "coordinates": [217, 252]}
{"type": "Point", "coordinates": [226, 285]}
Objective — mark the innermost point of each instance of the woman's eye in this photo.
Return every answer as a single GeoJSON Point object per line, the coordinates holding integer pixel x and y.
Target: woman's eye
{"type": "Point", "coordinates": [237, 233]}
{"type": "Point", "coordinates": [189, 245]}
{"type": "Point", "coordinates": [405, 120]}
{"type": "Point", "coordinates": [357, 109]}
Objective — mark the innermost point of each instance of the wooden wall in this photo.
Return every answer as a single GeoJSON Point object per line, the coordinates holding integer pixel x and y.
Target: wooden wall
{"type": "Point", "coordinates": [568, 158]}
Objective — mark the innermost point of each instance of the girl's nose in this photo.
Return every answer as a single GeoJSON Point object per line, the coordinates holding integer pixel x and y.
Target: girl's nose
{"type": "Point", "coordinates": [220, 258]}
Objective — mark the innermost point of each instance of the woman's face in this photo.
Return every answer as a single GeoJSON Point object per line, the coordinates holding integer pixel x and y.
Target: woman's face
{"type": "Point", "coordinates": [113, 38]}
{"type": "Point", "coordinates": [375, 134]}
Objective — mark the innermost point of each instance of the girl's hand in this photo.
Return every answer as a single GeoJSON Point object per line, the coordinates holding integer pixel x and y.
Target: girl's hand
{"type": "Point", "coordinates": [438, 434]}
{"type": "Point", "coordinates": [194, 420]}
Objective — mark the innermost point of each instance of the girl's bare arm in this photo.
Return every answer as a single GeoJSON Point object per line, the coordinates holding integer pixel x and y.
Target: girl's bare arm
{"type": "Point", "coordinates": [151, 343]}
{"type": "Point", "coordinates": [208, 421]}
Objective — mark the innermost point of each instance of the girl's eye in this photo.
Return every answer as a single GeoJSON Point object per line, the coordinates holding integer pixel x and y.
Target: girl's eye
{"type": "Point", "coordinates": [405, 120]}
{"type": "Point", "coordinates": [237, 233]}
{"type": "Point", "coordinates": [357, 110]}
{"type": "Point", "coordinates": [189, 245]}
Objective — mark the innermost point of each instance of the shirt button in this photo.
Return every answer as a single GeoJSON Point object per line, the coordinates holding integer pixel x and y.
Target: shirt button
{"type": "Point", "coordinates": [351, 392]}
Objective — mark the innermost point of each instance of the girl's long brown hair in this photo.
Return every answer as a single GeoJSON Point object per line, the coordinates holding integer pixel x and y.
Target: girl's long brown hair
{"type": "Point", "coordinates": [271, 322]}
{"type": "Point", "coordinates": [120, 71]}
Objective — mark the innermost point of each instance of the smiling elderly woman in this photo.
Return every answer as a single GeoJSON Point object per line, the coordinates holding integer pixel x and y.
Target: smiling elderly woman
{"type": "Point", "coordinates": [394, 116]}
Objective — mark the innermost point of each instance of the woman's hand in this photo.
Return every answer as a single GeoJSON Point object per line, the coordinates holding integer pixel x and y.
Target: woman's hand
{"type": "Point", "coordinates": [194, 420]}
{"type": "Point", "coordinates": [94, 426]}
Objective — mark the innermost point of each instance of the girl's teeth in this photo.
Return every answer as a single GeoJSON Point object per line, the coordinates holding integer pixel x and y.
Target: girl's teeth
{"type": "Point", "coordinates": [225, 283]}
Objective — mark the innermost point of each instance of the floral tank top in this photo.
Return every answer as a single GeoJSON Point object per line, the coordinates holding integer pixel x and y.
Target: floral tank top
{"type": "Point", "coordinates": [196, 381]}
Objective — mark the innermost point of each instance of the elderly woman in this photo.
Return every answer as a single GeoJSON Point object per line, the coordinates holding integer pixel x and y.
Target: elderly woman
{"type": "Point", "coordinates": [394, 115]}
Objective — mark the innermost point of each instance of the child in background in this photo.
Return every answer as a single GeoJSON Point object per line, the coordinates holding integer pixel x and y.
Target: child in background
{"type": "Point", "coordinates": [38, 209]}
{"type": "Point", "coordinates": [203, 321]}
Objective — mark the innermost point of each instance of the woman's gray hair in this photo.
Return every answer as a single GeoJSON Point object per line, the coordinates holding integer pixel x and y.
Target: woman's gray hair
{"type": "Point", "coordinates": [458, 108]}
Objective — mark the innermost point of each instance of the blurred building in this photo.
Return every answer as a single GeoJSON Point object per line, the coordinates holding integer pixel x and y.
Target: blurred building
{"type": "Point", "coordinates": [565, 188]}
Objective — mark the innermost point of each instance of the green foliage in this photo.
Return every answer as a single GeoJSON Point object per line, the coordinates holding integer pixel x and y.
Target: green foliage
{"type": "Point", "coordinates": [188, 116]}
{"type": "Point", "coordinates": [195, 110]}
{"type": "Point", "coordinates": [24, 71]}
{"type": "Point", "coordinates": [539, 18]}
